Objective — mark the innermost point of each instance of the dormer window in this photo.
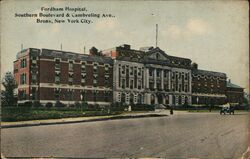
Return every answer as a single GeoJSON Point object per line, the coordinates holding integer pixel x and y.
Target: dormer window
{"type": "Point", "coordinates": [157, 56]}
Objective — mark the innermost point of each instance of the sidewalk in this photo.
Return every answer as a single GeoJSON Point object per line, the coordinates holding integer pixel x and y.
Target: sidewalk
{"type": "Point", "coordinates": [79, 119]}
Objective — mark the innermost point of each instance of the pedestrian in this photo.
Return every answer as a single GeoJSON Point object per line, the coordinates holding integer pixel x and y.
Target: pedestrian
{"type": "Point", "coordinates": [171, 110]}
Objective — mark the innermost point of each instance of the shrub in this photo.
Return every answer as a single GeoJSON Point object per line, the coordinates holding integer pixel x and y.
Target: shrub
{"type": "Point", "coordinates": [59, 104]}
{"type": "Point", "coordinates": [77, 104]}
{"type": "Point", "coordinates": [118, 106]}
{"type": "Point", "coordinates": [84, 106]}
{"type": "Point", "coordinates": [36, 104]}
{"type": "Point", "coordinates": [48, 105]}
{"type": "Point", "coordinates": [142, 107]}
{"type": "Point", "coordinates": [27, 104]}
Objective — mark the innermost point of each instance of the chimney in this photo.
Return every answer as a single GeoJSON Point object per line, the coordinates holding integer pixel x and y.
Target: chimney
{"type": "Point", "coordinates": [229, 80]}
{"type": "Point", "coordinates": [195, 66]}
{"type": "Point", "coordinates": [126, 46]}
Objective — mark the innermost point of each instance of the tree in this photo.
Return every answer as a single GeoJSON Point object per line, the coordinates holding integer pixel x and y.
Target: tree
{"type": "Point", "coordinates": [7, 95]}
{"type": "Point", "coordinates": [94, 51]}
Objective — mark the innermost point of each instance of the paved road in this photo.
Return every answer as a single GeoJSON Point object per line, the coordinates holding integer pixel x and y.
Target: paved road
{"type": "Point", "coordinates": [200, 135]}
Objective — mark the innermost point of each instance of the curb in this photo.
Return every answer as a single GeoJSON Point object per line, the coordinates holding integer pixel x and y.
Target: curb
{"type": "Point", "coordinates": [83, 120]}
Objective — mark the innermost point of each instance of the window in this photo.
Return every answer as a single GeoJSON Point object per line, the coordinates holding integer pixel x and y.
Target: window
{"type": "Point", "coordinates": [123, 69]}
{"type": "Point", "coordinates": [57, 77]}
{"type": "Point", "coordinates": [33, 78]}
{"type": "Point", "coordinates": [173, 75]}
{"type": "Point", "coordinates": [23, 63]}
{"type": "Point", "coordinates": [70, 92]}
{"type": "Point", "coordinates": [151, 85]}
{"type": "Point", "coordinates": [71, 65]}
{"type": "Point", "coordinates": [139, 71]}
{"type": "Point", "coordinates": [57, 64]}
{"type": "Point", "coordinates": [95, 68]}
{"type": "Point", "coordinates": [186, 88]}
{"type": "Point", "coordinates": [95, 78]}
{"type": "Point", "coordinates": [22, 94]}
{"type": "Point", "coordinates": [106, 96]}
{"type": "Point", "coordinates": [165, 86]}
{"type": "Point", "coordinates": [139, 84]}
{"type": "Point", "coordinates": [23, 78]}
{"type": "Point", "coordinates": [106, 81]}
{"type": "Point", "coordinates": [158, 73]}
{"type": "Point", "coordinates": [165, 74]}
{"type": "Point", "coordinates": [131, 71]}
{"type": "Point", "coordinates": [57, 93]}
{"type": "Point", "coordinates": [83, 78]}
{"type": "Point", "coordinates": [83, 67]}
{"type": "Point", "coordinates": [71, 78]}
{"type": "Point", "coordinates": [157, 56]}
{"type": "Point", "coordinates": [150, 72]}
{"type": "Point", "coordinates": [94, 96]}
{"type": "Point", "coordinates": [83, 75]}
{"type": "Point", "coordinates": [106, 69]}
{"type": "Point", "coordinates": [83, 94]}
{"type": "Point", "coordinates": [33, 93]}
{"type": "Point", "coordinates": [131, 84]}
{"type": "Point", "coordinates": [83, 81]}
{"type": "Point", "coordinates": [123, 83]}
{"type": "Point", "coordinates": [33, 61]}
{"type": "Point", "coordinates": [158, 85]}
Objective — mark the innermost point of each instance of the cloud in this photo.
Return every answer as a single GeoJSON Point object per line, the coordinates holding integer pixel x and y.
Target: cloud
{"type": "Point", "coordinates": [192, 27]}
{"type": "Point", "coordinates": [106, 24]}
{"type": "Point", "coordinates": [197, 26]}
{"type": "Point", "coordinates": [174, 31]}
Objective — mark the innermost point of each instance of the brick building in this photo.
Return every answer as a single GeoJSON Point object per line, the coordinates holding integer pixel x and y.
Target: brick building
{"type": "Point", "coordinates": [120, 74]}
{"type": "Point", "coordinates": [51, 75]}
{"type": "Point", "coordinates": [234, 93]}
{"type": "Point", "coordinates": [208, 87]}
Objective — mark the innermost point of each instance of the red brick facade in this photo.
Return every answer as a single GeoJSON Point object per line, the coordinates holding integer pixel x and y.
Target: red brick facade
{"type": "Point", "coordinates": [70, 87]}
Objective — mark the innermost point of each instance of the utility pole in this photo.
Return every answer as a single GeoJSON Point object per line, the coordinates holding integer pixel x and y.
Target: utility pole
{"type": "Point", "coordinates": [21, 47]}
{"type": "Point", "coordinates": [156, 36]}
{"type": "Point", "coordinates": [84, 49]}
{"type": "Point", "coordinates": [61, 46]}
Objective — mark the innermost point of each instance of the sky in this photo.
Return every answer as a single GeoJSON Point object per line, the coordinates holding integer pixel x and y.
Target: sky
{"type": "Point", "coordinates": [214, 34]}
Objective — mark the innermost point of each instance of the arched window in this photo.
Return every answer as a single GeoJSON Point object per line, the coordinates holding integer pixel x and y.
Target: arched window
{"type": "Point", "coordinates": [131, 98]}
{"type": "Point", "coordinates": [139, 99]}
{"type": "Point", "coordinates": [179, 100]}
{"type": "Point", "coordinates": [123, 98]}
{"type": "Point", "coordinates": [157, 56]}
{"type": "Point", "coordinates": [186, 100]}
{"type": "Point", "coordinates": [152, 99]}
{"type": "Point", "coordinates": [166, 99]}
{"type": "Point", "coordinates": [173, 100]}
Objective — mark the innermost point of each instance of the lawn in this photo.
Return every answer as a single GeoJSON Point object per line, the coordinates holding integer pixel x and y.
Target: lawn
{"type": "Point", "coordinates": [23, 114]}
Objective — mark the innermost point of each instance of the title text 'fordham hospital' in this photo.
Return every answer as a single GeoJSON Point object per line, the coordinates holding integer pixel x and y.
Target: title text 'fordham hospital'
{"type": "Point", "coordinates": [82, 9]}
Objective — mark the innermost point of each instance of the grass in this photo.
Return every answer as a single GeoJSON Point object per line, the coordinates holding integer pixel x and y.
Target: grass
{"type": "Point", "coordinates": [24, 114]}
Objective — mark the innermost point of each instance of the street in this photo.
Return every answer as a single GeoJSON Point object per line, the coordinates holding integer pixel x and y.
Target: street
{"type": "Point", "coordinates": [197, 135]}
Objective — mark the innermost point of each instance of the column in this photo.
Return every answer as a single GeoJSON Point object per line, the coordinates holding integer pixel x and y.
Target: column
{"type": "Point", "coordinates": [170, 100]}
{"type": "Point", "coordinates": [147, 78]}
{"type": "Point", "coordinates": [169, 79]}
{"type": "Point", "coordinates": [190, 82]}
{"type": "Point", "coordinates": [155, 78]}
{"type": "Point", "coordinates": [162, 81]}
{"type": "Point", "coordinates": [147, 98]}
